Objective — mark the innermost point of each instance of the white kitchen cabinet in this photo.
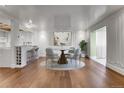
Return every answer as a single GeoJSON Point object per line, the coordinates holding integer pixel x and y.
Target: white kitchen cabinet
{"type": "Point", "coordinates": [25, 55]}
{"type": "Point", "coordinates": [5, 57]}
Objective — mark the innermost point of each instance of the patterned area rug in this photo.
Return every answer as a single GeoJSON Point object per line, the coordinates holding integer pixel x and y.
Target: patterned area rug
{"type": "Point", "coordinates": [72, 65]}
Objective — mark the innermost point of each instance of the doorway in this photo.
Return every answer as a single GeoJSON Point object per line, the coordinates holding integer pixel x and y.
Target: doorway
{"type": "Point", "coordinates": [98, 45]}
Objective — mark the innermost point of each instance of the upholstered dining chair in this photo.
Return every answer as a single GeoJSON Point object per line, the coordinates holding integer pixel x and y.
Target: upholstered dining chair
{"type": "Point", "coordinates": [75, 57]}
{"type": "Point", "coordinates": [70, 52]}
{"type": "Point", "coordinates": [51, 56]}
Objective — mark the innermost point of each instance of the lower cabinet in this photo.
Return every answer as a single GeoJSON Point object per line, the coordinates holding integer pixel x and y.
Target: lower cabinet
{"type": "Point", "coordinates": [25, 55]}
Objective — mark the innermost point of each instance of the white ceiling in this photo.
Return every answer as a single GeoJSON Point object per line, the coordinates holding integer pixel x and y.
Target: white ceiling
{"type": "Point", "coordinates": [82, 16]}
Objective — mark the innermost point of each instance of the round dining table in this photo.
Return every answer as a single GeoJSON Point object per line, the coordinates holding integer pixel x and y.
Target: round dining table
{"type": "Point", "coordinates": [62, 59]}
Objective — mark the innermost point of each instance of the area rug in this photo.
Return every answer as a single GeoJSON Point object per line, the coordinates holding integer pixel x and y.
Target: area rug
{"type": "Point", "coordinates": [72, 65]}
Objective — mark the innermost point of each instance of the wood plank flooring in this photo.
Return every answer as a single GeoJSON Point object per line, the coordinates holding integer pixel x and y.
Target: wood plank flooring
{"type": "Point", "coordinates": [93, 75]}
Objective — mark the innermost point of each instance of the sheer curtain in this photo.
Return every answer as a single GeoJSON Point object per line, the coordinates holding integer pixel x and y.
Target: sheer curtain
{"type": "Point", "coordinates": [101, 43]}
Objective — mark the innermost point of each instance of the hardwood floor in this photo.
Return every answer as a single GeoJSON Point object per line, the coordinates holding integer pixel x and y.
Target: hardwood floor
{"type": "Point", "coordinates": [91, 76]}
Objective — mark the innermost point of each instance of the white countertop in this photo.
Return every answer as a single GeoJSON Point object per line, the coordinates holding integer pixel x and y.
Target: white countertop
{"type": "Point", "coordinates": [5, 48]}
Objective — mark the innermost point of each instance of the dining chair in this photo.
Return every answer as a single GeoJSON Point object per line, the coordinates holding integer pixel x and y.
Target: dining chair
{"type": "Point", "coordinates": [51, 57]}
{"type": "Point", "coordinates": [71, 51]}
{"type": "Point", "coordinates": [75, 58]}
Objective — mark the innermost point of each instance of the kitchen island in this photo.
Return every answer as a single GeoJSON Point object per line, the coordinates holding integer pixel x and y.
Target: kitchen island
{"type": "Point", "coordinates": [18, 57]}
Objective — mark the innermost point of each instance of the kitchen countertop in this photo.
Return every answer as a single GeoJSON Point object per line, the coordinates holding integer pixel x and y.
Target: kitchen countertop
{"type": "Point", "coordinates": [5, 48]}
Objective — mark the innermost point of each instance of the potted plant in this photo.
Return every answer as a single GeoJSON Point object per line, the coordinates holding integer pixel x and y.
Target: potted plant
{"type": "Point", "coordinates": [83, 47]}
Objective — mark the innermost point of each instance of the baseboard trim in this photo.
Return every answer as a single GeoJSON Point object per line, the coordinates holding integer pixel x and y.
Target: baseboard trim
{"type": "Point", "coordinates": [116, 69]}
{"type": "Point", "coordinates": [96, 60]}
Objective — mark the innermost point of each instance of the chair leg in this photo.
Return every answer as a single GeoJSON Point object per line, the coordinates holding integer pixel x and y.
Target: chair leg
{"type": "Point", "coordinates": [72, 61]}
{"type": "Point", "coordinates": [75, 62]}
{"type": "Point", "coordinates": [79, 60]}
{"type": "Point", "coordinates": [46, 61]}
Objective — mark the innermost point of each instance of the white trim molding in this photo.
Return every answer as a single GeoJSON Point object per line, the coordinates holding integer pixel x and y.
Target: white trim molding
{"type": "Point", "coordinates": [115, 68]}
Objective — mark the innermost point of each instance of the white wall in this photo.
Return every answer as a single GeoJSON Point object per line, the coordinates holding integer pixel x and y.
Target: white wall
{"type": "Point", "coordinates": [115, 40]}
{"type": "Point", "coordinates": [45, 40]}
